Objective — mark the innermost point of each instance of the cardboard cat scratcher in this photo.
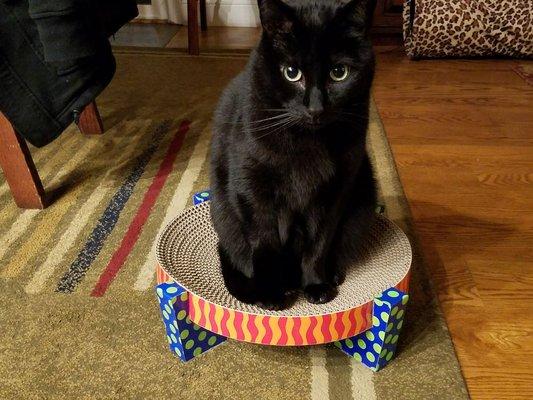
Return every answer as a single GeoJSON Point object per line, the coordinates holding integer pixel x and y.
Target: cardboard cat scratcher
{"type": "Point", "coordinates": [364, 320]}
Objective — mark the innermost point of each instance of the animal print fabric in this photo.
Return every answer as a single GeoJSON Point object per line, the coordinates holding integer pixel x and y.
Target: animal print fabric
{"type": "Point", "coordinates": [466, 28]}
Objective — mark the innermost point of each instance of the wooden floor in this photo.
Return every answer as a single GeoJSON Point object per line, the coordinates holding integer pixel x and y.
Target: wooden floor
{"type": "Point", "coordinates": [462, 136]}
{"type": "Point", "coordinates": [216, 38]}
{"type": "Point", "coordinates": [219, 37]}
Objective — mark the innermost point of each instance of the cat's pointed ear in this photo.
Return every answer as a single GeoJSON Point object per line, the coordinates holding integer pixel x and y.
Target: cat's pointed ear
{"type": "Point", "coordinates": [360, 12]}
{"type": "Point", "coordinates": [276, 16]}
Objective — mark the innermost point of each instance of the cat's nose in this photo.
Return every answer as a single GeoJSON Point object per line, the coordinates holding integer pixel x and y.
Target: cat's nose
{"type": "Point", "coordinates": [315, 107]}
{"type": "Point", "coordinates": [315, 111]}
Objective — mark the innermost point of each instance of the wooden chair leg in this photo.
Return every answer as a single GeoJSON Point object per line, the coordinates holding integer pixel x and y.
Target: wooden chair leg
{"type": "Point", "coordinates": [89, 121]}
{"type": "Point", "coordinates": [203, 15]}
{"type": "Point", "coordinates": [19, 169]}
{"type": "Point", "coordinates": [192, 27]}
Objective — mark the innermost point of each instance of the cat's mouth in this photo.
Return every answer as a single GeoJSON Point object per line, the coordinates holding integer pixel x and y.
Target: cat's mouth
{"type": "Point", "coordinates": [314, 122]}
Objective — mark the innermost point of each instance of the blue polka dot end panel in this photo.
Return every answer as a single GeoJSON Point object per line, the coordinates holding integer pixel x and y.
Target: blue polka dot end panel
{"type": "Point", "coordinates": [376, 346]}
{"type": "Point", "coordinates": [186, 339]}
{"type": "Point", "coordinates": [201, 197]}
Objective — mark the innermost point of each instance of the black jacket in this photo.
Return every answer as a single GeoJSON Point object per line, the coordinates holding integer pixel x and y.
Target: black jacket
{"type": "Point", "coordinates": [55, 58]}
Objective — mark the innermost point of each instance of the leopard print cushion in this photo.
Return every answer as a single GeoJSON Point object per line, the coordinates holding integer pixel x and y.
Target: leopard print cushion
{"type": "Point", "coordinates": [465, 28]}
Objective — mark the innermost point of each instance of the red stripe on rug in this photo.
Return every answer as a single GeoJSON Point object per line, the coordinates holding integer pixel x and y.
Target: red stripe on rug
{"type": "Point", "coordinates": [143, 212]}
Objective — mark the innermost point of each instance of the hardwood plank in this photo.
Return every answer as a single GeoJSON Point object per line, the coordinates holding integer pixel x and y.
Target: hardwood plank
{"type": "Point", "coordinates": [499, 383]}
{"type": "Point", "coordinates": [218, 38]}
{"type": "Point", "coordinates": [461, 134]}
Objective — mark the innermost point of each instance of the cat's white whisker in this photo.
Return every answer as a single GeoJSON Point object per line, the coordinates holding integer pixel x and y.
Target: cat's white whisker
{"type": "Point", "coordinates": [270, 118]}
{"type": "Point", "coordinates": [270, 125]}
{"type": "Point", "coordinates": [288, 124]}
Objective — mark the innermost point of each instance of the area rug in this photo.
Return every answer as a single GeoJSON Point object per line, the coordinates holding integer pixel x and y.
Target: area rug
{"type": "Point", "coordinates": [79, 317]}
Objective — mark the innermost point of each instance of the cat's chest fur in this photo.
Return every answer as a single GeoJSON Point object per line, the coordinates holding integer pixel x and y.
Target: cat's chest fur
{"type": "Point", "coordinates": [306, 175]}
{"type": "Point", "coordinates": [294, 178]}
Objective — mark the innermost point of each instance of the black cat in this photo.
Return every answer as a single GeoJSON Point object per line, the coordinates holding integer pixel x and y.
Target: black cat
{"type": "Point", "coordinates": [291, 180]}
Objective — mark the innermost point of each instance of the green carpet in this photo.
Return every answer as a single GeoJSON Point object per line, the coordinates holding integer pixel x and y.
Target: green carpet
{"type": "Point", "coordinates": [62, 338]}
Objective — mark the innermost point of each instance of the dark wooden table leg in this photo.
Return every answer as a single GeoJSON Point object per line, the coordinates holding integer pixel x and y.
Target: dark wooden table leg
{"type": "Point", "coordinates": [192, 27]}
{"type": "Point", "coordinates": [19, 169]}
{"type": "Point", "coordinates": [203, 15]}
{"type": "Point", "coordinates": [90, 122]}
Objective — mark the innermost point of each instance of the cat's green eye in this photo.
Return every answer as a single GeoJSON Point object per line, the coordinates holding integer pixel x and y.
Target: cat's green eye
{"type": "Point", "coordinates": [292, 74]}
{"type": "Point", "coordinates": [339, 72]}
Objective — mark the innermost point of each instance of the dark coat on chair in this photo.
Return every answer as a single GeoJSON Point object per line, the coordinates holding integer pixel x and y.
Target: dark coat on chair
{"type": "Point", "coordinates": [55, 58]}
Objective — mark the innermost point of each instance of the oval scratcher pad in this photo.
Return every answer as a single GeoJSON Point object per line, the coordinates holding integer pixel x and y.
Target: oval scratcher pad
{"type": "Point", "coordinates": [187, 251]}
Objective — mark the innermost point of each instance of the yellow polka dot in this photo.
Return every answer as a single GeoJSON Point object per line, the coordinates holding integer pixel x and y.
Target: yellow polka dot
{"type": "Point", "coordinates": [361, 343]}
{"type": "Point", "coordinates": [405, 299]}
{"type": "Point", "coordinates": [195, 327]}
{"type": "Point", "coordinates": [178, 352]}
{"type": "Point", "coordinates": [377, 348]}
{"type": "Point", "coordinates": [383, 353]}
{"type": "Point", "coordinates": [173, 338]}
{"type": "Point", "coordinates": [165, 314]}
{"type": "Point", "coordinates": [184, 296]}
{"type": "Point", "coordinates": [181, 314]}
{"type": "Point", "coordinates": [349, 343]}
{"type": "Point", "coordinates": [175, 323]}
{"type": "Point", "coordinates": [394, 339]}
{"type": "Point", "coordinates": [211, 340]}
{"type": "Point", "coordinates": [375, 321]}
{"type": "Point", "coordinates": [159, 292]}
{"type": "Point", "coordinates": [169, 339]}
{"type": "Point", "coordinates": [378, 302]}
{"type": "Point", "coordinates": [384, 316]}
{"type": "Point", "coordinates": [197, 351]}
{"type": "Point", "coordinates": [338, 344]}
{"type": "Point", "coordinates": [184, 334]}
{"type": "Point", "coordinates": [389, 356]}
{"type": "Point", "coordinates": [369, 335]}
{"type": "Point", "coordinates": [389, 327]}
{"type": "Point", "coordinates": [400, 324]}
{"type": "Point", "coordinates": [394, 311]}
{"type": "Point", "coordinates": [172, 289]}
{"type": "Point", "coordinates": [381, 335]}
{"type": "Point", "coordinates": [388, 339]}
{"type": "Point", "coordinates": [358, 357]}
{"type": "Point", "coordinates": [188, 320]}
{"type": "Point", "coordinates": [370, 356]}
{"type": "Point", "coordinates": [202, 335]}
{"type": "Point", "coordinates": [172, 328]}
{"type": "Point", "coordinates": [400, 314]}
{"type": "Point", "coordinates": [189, 344]}
{"type": "Point", "coordinates": [393, 293]}
{"type": "Point", "coordinates": [168, 309]}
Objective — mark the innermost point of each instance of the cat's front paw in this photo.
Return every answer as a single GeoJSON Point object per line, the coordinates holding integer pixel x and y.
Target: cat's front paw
{"type": "Point", "coordinates": [320, 293]}
{"type": "Point", "coordinates": [272, 301]}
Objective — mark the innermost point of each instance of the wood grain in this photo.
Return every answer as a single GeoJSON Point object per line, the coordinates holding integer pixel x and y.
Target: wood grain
{"type": "Point", "coordinates": [218, 38]}
{"type": "Point", "coordinates": [90, 122]}
{"type": "Point", "coordinates": [19, 169]}
{"type": "Point", "coordinates": [462, 136]}
{"type": "Point", "coordinates": [388, 16]}
{"type": "Point", "coordinates": [192, 28]}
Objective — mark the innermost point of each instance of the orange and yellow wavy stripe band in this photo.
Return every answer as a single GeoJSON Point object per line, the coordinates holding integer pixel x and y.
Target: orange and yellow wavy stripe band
{"type": "Point", "coordinates": [280, 331]}
{"type": "Point", "coordinates": [161, 275]}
